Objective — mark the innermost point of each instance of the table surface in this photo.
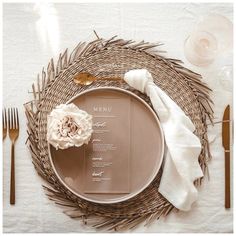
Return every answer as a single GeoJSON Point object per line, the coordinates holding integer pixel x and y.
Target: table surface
{"type": "Point", "coordinates": [32, 34]}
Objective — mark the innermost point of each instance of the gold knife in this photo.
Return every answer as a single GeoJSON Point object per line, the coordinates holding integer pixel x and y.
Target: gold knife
{"type": "Point", "coordinates": [226, 145]}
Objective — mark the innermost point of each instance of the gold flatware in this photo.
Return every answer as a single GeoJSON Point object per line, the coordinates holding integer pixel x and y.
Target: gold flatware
{"type": "Point", "coordinates": [85, 78]}
{"type": "Point", "coordinates": [13, 129]}
{"type": "Point", "coordinates": [4, 123]}
{"type": "Point", "coordinates": [226, 145]}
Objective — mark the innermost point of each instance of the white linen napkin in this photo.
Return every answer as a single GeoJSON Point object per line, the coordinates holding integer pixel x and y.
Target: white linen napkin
{"type": "Point", "coordinates": [181, 165]}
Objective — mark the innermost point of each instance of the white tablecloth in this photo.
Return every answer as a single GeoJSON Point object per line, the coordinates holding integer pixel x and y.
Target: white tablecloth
{"type": "Point", "coordinates": [32, 34]}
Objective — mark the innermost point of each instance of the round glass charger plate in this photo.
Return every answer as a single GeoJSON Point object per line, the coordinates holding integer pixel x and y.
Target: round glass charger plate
{"type": "Point", "coordinates": [145, 148]}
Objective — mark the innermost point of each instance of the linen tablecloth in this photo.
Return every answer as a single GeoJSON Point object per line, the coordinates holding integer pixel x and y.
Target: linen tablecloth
{"type": "Point", "coordinates": [33, 33]}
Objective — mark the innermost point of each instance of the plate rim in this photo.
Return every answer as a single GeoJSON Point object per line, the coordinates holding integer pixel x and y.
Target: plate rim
{"type": "Point", "coordinates": [123, 198]}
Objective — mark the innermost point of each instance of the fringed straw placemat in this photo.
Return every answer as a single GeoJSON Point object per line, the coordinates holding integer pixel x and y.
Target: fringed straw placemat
{"type": "Point", "coordinates": [105, 59]}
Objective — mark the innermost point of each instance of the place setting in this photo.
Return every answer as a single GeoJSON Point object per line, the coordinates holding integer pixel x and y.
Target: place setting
{"type": "Point", "coordinates": [107, 138]}
{"type": "Point", "coordinates": [118, 131]}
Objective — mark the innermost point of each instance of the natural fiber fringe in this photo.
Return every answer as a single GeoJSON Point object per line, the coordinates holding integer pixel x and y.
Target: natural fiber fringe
{"type": "Point", "coordinates": [33, 109]}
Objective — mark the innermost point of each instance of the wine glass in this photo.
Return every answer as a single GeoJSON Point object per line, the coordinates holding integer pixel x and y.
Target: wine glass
{"type": "Point", "coordinates": [213, 36]}
{"type": "Point", "coordinates": [219, 26]}
{"type": "Point", "coordinates": [201, 48]}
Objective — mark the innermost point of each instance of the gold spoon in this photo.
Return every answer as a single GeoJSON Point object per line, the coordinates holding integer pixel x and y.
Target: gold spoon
{"type": "Point", "coordinates": [85, 78]}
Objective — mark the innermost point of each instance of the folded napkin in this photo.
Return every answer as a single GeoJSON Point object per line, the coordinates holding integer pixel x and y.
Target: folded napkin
{"type": "Point", "coordinates": [181, 165]}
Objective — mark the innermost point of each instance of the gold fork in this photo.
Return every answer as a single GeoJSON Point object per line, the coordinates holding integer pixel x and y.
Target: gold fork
{"type": "Point", "coordinates": [4, 123]}
{"type": "Point", "coordinates": [13, 128]}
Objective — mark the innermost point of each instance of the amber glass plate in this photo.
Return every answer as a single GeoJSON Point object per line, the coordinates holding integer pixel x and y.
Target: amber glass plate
{"type": "Point", "coordinates": [124, 154]}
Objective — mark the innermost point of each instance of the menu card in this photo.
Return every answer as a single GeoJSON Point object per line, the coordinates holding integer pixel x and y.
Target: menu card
{"type": "Point", "coordinates": [107, 155]}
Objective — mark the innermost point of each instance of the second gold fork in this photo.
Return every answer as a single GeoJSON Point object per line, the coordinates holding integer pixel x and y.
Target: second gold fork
{"type": "Point", "coordinates": [13, 128]}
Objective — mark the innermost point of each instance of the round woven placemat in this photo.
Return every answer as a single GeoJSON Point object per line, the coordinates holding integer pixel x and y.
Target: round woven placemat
{"type": "Point", "coordinates": [106, 59]}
